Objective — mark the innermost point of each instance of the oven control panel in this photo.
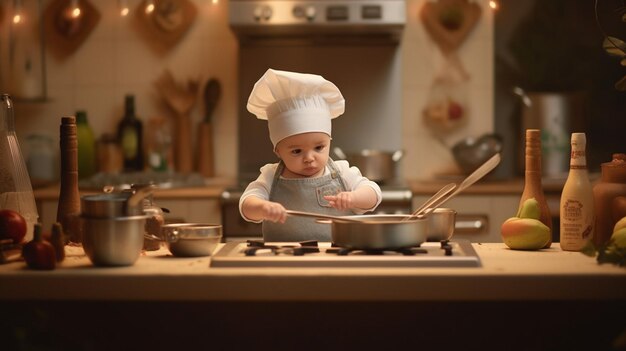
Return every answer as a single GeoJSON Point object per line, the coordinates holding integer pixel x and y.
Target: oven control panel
{"type": "Point", "coordinates": [287, 12]}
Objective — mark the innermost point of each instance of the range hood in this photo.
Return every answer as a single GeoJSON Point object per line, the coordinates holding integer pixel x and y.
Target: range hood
{"type": "Point", "coordinates": [317, 21]}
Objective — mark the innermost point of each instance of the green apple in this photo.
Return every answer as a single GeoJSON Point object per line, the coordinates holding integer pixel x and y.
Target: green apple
{"type": "Point", "coordinates": [525, 233]}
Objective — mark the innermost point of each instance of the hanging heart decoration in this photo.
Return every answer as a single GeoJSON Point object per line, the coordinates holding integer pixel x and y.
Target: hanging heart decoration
{"type": "Point", "coordinates": [449, 23]}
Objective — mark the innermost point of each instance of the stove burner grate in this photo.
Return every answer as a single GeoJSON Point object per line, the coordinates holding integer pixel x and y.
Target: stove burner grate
{"type": "Point", "coordinates": [299, 249]}
{"type": "Point", "coordinates": [311, 246]}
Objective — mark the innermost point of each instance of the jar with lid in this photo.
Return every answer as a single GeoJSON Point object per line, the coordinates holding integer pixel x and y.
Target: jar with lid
{"type": "Point", "coordinates": [42, 160]}
{"type": "Point", "coordinates": [609, 196]}
{"type": "Point", "coordinates": [16, 191]}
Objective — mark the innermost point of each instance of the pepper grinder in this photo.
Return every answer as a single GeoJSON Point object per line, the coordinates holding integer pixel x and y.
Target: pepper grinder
{"type": "Point", "coordinates": [68, 209]}
{"type": "Point", "coordinates": [532, 177]}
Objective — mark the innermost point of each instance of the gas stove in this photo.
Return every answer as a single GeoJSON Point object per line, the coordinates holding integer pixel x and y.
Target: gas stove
{"type": "Point", "coordinates": [256, 253]}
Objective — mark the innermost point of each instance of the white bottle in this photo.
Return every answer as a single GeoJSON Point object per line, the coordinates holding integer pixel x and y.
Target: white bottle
{"type": "Point", "coordinates": [576, 210]}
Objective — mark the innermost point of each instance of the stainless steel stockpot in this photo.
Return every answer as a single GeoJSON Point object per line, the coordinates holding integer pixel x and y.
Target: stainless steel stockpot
{"type": "Point", "coordinates": [376, 165]}
{"type": "Point", "coordinates": [113, 241]}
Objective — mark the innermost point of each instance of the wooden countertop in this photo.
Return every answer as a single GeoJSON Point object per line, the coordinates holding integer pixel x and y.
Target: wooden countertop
{"type": "Point", "coordinates": [505, 275]}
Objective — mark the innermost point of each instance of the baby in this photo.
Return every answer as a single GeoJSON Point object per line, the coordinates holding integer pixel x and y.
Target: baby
{"type": "Point", "coordinates": [299, 108]}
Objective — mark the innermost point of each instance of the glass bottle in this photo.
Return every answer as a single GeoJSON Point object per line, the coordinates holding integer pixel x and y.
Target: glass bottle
{"type": "Point", "coordinates": [16, 191]}
{"type": "Point", "coordinates": [130, 137]}
{"type": "Point", "coordinates": [576, 208]}
{"type": "Point", "coordinates": [533, 187]}
{"type": "Point", "coordinates": [158, 145]}
{"type": "Point", "coordinates": [86, 146]}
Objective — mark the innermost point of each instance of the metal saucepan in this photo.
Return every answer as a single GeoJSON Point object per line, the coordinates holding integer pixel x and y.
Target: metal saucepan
{"type": "Point", "coordinates": [112, 205]}
{"type": "Point", "coordinates": [376, 165]}
{"type": "Point", "coordinates": [379, 232]}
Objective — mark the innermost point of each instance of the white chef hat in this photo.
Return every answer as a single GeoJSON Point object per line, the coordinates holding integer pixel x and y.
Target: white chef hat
{"type": "Point", "coordinates": [295, 103]}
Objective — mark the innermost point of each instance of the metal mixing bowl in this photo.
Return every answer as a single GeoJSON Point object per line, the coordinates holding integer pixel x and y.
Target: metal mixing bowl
{"type": "Point", "coordinates": [113, 241]}
{"type": "Point", "coordinates": [191, 239]}
{"type": "Point", "coordinates": [470, 153]}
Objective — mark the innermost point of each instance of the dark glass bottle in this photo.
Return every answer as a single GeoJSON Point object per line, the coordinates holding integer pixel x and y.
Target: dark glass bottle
{"type": "Point", "coordinates": [130, 137]}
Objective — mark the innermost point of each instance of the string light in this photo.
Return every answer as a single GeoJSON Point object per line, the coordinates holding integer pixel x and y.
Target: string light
{"type": "Point", "coordinates": [124, 10]}
{"type": "Point", "coordinates": [149, 6]}
{"type": "Point", "coordinates": [17, 17]}
{"type": "Point", "coordinates": [493, 4]}
{"type": "Point", "coordinates": [75, 9]}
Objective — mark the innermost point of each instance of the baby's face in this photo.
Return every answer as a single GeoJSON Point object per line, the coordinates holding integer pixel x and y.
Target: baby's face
{"type": "Point", "coordinates": [304, 155]}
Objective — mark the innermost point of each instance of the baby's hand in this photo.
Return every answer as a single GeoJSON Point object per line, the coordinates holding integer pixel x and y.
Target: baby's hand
{"type": "Point", "coordinates": [275, 212]}
{"type": "Point", "coordinates": [341, 201]}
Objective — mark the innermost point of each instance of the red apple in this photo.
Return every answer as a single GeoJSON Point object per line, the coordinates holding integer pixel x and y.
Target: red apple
{"type": "Point", "coordinates": [39, 253]}
{"type": "Point", "coordinates": [12, 226]}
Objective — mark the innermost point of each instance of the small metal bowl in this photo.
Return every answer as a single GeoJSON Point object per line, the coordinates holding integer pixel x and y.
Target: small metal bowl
{"type": "Point", "coordinates": [440, 224]}
{"type": "Point", "coordinates": [191, 239]}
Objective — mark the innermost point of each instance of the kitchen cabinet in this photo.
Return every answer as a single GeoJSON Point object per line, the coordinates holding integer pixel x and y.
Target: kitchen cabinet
{"type": "Point", "coordinates": [516, 300]}
{"type": "Point", "coordinates": [479, 217]}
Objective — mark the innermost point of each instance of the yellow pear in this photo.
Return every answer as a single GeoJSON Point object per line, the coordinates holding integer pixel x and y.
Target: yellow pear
{"type": "Point", "coordinates": [525, 233]}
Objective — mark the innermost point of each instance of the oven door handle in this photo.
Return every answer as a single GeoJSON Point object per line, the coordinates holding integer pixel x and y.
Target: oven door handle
{"type": "Point", "coordinates": [471, 224]}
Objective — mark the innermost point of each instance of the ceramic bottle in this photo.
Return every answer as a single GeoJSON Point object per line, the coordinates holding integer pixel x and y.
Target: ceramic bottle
{"type": "Point", "coordinates": [609, 196]}
{"type": "Point", "coordinates": [576, 206]}
{"type": "Point", "coordinates": [533, 187]}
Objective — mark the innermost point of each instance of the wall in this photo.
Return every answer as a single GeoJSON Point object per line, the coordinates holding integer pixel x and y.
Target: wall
{"type": "Point", "coordinates": [426, 157]}
{"type": "Point", "coordinates": [116, 60]}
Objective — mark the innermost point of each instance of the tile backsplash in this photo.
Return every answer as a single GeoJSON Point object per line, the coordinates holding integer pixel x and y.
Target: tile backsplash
{"type": "Point", "coordinates": [116, 59]}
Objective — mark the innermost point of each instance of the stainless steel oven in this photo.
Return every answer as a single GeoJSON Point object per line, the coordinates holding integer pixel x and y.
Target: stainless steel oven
{"type": "Point", "coordinates": [329, 38]}
{"type": "Point", "coordinates": [332, 39]}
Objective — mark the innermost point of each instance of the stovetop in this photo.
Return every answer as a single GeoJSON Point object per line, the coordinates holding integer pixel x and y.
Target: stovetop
{"type": "Point", "coordinates": [256, 253]}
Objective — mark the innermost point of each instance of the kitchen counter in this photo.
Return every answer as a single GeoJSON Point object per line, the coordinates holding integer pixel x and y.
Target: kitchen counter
{"type": "Point", "coordinates": [505, 275]}
{"type": "Point", "coordinates": [517, 300]}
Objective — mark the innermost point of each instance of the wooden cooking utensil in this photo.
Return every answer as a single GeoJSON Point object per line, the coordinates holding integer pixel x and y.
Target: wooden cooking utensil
{"type": "Point", "coordinates": [204, 162]}
{"type": "Point", "coordinates": [180, 99]}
